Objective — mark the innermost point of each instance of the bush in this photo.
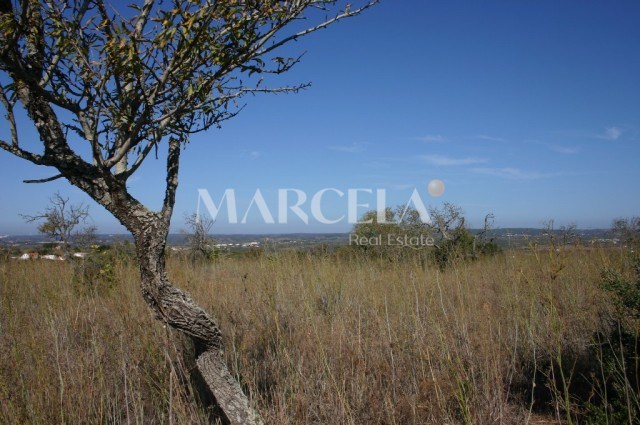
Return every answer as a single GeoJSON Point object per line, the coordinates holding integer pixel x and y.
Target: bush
{"type": "Point", "coordinates": [619, 350]}
{"type": "Point", "coordinates": [449, 239]}
{"type": "Point", "coordinates": [98, 269]}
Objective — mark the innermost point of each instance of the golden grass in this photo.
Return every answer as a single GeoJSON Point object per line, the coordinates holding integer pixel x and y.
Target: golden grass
{"type": "Point", "coordinates": [313, 339]}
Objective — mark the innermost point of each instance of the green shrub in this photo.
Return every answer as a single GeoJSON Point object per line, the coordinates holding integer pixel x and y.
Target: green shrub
{"type": "Point", "coordinates": [619, 351]}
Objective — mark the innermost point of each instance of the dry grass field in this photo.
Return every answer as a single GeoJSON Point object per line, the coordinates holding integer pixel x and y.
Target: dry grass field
{"type": "Point", "coordinates": [316, 339]}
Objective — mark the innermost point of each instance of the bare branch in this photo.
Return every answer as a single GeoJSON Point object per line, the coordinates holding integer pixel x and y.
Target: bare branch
{"type": "Point", "coordinates": [8, 106]}
{"type": "Point", "coordinates": [47, 180]}
{"type": "Point", "coordinates": [347, 13]}
{"type": "Point", "coordinates": [141, 157]}
{"type": "Point", "coordinates": [21, 153]}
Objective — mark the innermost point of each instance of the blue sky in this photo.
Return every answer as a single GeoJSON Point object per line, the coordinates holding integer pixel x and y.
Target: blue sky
{"type": "Point", "coordinates": [527, 110]}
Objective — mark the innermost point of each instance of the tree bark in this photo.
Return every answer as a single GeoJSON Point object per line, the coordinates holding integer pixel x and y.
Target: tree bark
{"type": "Point", "coordinates": [175, 308]}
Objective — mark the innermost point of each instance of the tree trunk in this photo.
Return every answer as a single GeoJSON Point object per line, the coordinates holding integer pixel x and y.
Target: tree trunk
{"type": "Point", "coordinates": [175, 308]}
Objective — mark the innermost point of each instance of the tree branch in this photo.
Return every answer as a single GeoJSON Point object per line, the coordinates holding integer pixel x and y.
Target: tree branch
{"type": "Point", "coordinates": [347, 13]}
{"type": "Point", "coordinates": [48, 179]}
{"type": "Point", "coordinates": [141, 156]}
{"type": "Point", "coordinates": [8, 106]}
{"type": "Point", "coordinates": [142, 19]}
{"type": "Point", "coordinates": [173, 162]}
{"type": "Point", "coordinates": [21, 153]}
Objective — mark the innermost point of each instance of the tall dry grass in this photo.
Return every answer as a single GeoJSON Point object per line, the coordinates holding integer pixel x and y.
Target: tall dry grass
{"type": "Point", "coordinates": [74, 354]}
{"type": "Point", "coordinates": [313, 339]}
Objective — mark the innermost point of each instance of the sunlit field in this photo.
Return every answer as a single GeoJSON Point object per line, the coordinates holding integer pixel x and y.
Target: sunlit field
{"type": "Point", "coordinates": [520, 337]}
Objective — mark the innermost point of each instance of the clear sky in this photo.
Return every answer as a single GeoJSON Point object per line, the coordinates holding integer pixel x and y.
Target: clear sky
{"type": "Point", "coordinates": [529, 110]}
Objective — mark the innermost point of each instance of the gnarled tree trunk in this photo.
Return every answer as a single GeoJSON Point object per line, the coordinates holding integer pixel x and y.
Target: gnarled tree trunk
{"type": "Point", "coordinates": [175, 308]}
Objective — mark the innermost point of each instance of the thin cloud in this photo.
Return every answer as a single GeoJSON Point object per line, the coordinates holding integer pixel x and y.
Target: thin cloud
{"type": "Point", "coordinates": [566, 150]}
{"type": "Point", "coordinates": [611, 133]}
{"type": "Point", "coordinates": [513, 173]}
{"type": "Point", "coordinates": [431, 138]}
{"type": "Point", "coordinates": [491, 138]}
{"type": "Point", "coordinates": [352, 148]}
{"type": "Point", "coordinates": [441, 160]}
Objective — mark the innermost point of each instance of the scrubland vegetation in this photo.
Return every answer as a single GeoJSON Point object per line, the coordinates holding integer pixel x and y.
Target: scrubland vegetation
{"type": "Point", "coordinates": [536, 336]}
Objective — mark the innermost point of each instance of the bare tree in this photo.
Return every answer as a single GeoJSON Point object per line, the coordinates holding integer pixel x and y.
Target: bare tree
{"type": "Point", "coordinates": [549, 232]}
{"type": "Point", "coordinates": [86, 237]}
{"type": "Point", "coordinates": [627, 230]}
{"type": "Point", "coordinates": [200, 243]}
{"type": "Point", "coordinates": [481, 238]}
{"type": "Point", "coordinates": [448, 222]}
{"type": "Point", "coordinates": [454, 240]}
{"type": "Point", "coordinates": [129, 81]}
{"type": "Point", "coordinates": [569, 234]}
{"type": "Point", "coordinates": [60, 219]}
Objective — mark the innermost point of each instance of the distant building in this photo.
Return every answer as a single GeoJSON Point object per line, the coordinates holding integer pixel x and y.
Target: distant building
{"type": "Point", "coordinates": [52, 257]}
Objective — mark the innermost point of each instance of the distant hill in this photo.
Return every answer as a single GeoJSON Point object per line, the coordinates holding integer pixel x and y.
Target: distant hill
{"type": "Point", "coordinates": [514, 237]}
